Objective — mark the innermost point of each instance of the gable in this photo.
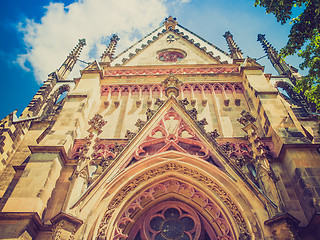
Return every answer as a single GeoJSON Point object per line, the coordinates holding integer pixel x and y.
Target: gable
{"type": "Point", "coordinates": [172, 133]}
{"type": "Point", "coordinates": [180, 41]}
{"type": "Point", "coordinates": [170, 49]}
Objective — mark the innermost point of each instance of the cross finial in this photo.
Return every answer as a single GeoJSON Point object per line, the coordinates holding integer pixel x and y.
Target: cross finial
{"type": "Point", "coordinates": [170, 23]}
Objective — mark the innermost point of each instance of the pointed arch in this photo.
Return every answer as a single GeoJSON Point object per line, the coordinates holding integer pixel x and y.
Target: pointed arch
{"type": "Point", "coordinates": [180, 178]}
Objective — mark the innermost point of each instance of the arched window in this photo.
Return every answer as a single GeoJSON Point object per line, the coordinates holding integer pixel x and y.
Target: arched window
{"type": "Point", "coordinates": [61, 93]}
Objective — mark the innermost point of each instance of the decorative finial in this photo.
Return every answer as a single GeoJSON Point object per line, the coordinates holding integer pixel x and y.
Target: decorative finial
{"type": "Point", "coordinates": [281, 67]}
{"type": "Point", "coordinates": [172, 85]}
{"type": "Point", "coordinates": [108, 53]}
{"type": "Point", "coordinates": [234, 49]}
{"type": "Point", "coordinates": [170, 23]}
{"type": "Point", "coordinates": [71, 60]}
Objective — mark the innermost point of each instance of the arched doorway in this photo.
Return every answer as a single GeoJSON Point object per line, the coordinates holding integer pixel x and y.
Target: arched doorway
{"type": "Point", "coordinates": [172, 209]}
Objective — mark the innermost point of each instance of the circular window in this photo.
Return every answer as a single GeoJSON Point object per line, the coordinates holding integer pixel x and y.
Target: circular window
{"type": "Point", "coordinates": [171, 55]}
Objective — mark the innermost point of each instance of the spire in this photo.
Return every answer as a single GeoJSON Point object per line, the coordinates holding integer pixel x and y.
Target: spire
{"type": "Point", "coordinates": [234, 49]}
{"type": "Point", "coordinates": [170, 23]}
{"type": "Point", "coordinates": [281, 67]}
{"type": "Point", "coordinates": [71, 60]}
{"type": "Point", "coordinates": [108, 53]}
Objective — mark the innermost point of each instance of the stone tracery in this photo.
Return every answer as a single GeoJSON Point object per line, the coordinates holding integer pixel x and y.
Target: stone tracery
{"type": "Point", "coordinates": [171, 133]}
{"type": "Point", "coordinates": [175, 186]}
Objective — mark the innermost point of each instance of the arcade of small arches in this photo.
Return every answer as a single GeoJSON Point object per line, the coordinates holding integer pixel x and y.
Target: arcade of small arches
{"type": "Point", "coordinates": [227, 90]}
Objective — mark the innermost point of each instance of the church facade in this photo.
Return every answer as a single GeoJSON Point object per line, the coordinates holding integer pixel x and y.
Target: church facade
{"type": "Point", "coordinates": [172, 139]}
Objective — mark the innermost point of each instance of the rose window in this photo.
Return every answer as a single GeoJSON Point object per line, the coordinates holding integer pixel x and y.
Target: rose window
{"type": "Point", "coordinates": [171, 55]}
{"type": "Point", "coordinates": [171, 223]}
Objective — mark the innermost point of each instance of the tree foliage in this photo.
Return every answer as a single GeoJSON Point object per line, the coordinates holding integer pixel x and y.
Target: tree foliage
{"type": "Point", "coordinates": [304, 39]}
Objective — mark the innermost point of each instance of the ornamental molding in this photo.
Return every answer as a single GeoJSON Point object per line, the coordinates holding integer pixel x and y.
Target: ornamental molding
{"type": "Point", "coordinates": [166, 71]}
{"type": "Point", "coordinates": [173, 186]}
{"type": "Point", "coordinates": [201, 178]}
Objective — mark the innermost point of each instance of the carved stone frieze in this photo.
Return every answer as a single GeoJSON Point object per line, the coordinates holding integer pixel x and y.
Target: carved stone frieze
{"type": "Point", "coordinates": [166, 71]}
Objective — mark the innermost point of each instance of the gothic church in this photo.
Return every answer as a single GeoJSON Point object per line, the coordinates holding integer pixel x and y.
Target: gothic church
{"type": "Point", "coordinates": [174, 138]}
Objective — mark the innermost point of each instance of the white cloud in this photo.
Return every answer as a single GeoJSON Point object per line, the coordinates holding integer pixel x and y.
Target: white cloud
{"type": "Point", "coordinates": [50, 41]}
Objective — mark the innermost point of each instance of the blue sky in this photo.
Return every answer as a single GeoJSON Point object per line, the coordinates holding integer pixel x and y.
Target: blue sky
{"type": "Point", "coordinates": [36, 36]}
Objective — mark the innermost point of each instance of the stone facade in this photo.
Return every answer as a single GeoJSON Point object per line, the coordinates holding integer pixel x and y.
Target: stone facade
{"type": "Point", "coordinates": [172, 139]}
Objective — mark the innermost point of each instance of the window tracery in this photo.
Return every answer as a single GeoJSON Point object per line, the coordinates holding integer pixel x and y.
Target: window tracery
{"type": "Point", "coordinates": [171, 55]}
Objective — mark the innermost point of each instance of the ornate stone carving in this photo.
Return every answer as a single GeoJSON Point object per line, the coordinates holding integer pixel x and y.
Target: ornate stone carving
{"type": "Point", "coordinates": [193, 113]}
{"type": "Point", "coordinates": [176, 167]}
{"type": "Point", "coordinates": [166, 71]}
{"type": "Point", "coordinates": [184, 102]}
{"type": "Point", "coordinates": [202, 122]}
{"type": "Point", "coordinates": [171, 133]}
{"type": "Point", "coordinates": [97, 123]}
{"type": "Point", "coordinates": [129, 135]}
{"type": "Point", "coordinates": [150, 113]}
{"type": "Point", "coordinates": [265, 176]}
{"type": "Point", "coordinates": [246, 118]}
{"type": "Point", "coordinates": [240, 152]}
{"type": "Point", "coordinates": [172, 85]}
{"type": "Point", "coordinates": [170, 23]}
{"type": "Point", "coordinates": [116, 103]}
{"type": "Point", "coordinates": [65, 226]}
{"type": "Point", "coordinates": [140, 124]}
{"type": "Point", "coordinates": [159, 102]}
{"type": "Point", "coordinates": [213, 134]}
{"type": "Point", "coordinates": [138, 103]}
{"type": "Point", "coordinates": [117, 148]}
{"type": "Point", "coordinates": [172, 186]}
{"type": "Point", "coordinates": [237, 102]}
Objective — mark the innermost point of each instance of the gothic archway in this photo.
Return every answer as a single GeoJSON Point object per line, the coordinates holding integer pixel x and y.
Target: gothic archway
{"type": "Point", "coordinates": [219, 216]}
